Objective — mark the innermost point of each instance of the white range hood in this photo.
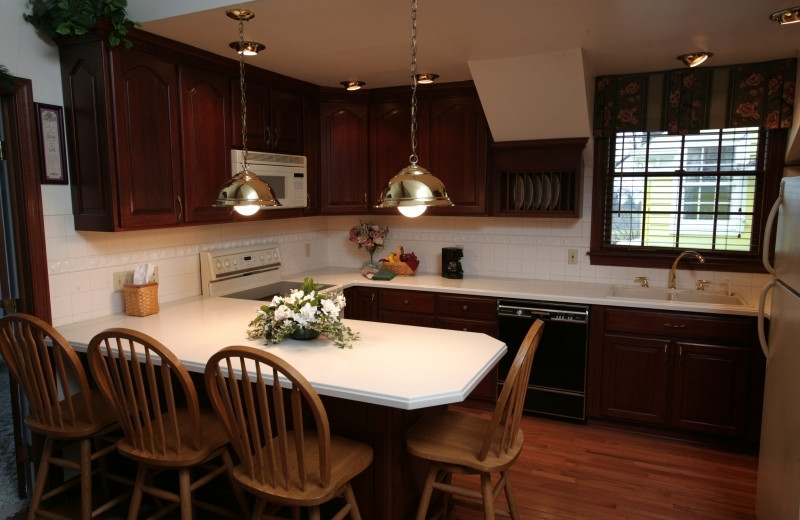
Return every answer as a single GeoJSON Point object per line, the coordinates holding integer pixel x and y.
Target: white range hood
{"type": "Point", "coordinates": [540, 96]}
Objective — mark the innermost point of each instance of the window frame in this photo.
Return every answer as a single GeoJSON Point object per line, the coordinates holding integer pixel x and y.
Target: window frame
{"type": "Point", "coordinates": [772, 154]}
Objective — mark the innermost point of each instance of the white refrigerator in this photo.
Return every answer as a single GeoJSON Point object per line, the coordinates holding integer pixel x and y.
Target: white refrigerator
{"type": "Point", "coordinates": [778, 495]}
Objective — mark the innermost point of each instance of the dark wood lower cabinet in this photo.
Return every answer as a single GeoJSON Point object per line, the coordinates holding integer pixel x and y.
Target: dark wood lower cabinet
{"type": "Point", "coordinates": [682, 372]}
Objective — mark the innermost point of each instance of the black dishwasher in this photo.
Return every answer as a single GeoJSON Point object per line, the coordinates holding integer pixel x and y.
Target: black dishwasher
{"type": "Point", "coordinates": [557, 387]}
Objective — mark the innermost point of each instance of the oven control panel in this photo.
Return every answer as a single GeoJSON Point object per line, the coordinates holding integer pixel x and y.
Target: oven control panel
{"type": "Point", "coordinates": [219, 267]}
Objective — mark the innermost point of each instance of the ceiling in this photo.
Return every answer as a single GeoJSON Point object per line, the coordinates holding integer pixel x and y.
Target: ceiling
{"type": "Point", "coordinates": [325, 42]}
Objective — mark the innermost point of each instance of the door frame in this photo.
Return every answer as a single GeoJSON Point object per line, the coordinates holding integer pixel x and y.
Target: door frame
{"type": "Point", "coordinates": [26, 198]}
{"type": "Point", "coordinates": [23, 167]}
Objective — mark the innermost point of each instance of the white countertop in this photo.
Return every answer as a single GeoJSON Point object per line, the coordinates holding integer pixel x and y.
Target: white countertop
{"type": "Point", "coordinates": [392, 365]}
{"type": "Point", "coordinates": [545, 290]}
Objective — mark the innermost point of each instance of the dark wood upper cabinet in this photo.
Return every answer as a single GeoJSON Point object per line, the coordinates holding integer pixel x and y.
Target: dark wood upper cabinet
{"type": "Point", "coordinates": [274, 119]}
{"type": "Point", "coordinates": [390, 143]}
{"type": "Point", "coordinates": [150, 129]}
{"type": "Point", "coordinates": [205, 98]}
{"type": "Point", "coordinates": [147, 109]}
{"type": "Point", "coordinates": [458, 140]}
{"type": "Point", "coordinates": [344, 156]}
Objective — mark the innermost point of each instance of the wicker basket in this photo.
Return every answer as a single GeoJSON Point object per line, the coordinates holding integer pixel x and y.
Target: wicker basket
{"type": "Point", "coordinates": [141, 300]}
{"type": "Point", "coordinates": [401, 267]}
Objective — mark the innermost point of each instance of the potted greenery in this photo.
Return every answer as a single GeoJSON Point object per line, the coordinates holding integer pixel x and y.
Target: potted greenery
{"type": "Point", "coordinates": [64, 18]}
{"type": "Point", "coordinates": [6, 81]}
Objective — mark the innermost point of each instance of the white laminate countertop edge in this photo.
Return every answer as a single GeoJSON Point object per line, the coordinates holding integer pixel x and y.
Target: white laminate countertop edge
{"type": "Point", "coordinates": [526, 289]}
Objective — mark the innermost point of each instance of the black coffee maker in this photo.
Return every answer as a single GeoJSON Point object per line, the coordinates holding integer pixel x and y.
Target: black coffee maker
{"type": "Point", "coordinates": [451, 264]}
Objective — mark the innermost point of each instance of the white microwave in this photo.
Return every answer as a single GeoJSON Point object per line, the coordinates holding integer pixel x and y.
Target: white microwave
{"type": "Point", "coordinates": [287, 174]}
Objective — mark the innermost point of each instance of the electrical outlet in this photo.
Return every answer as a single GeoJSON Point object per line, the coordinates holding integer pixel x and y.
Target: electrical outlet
{"type": "Point", "coordinates": [121, 278]}
{"type": "Point", "coordinates": [308, 250]}
{"type": "Point", "coordinates": [572, 256]}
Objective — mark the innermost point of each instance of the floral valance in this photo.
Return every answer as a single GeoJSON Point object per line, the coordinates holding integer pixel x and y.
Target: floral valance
{"type": "Point", "coordinates": [688, 100]}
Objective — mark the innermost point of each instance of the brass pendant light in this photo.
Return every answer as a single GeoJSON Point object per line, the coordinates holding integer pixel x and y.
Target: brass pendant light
{"type": "Point", "coordinates": [246, 193]}
{"type": "Point", "coordinates": [414, 188]}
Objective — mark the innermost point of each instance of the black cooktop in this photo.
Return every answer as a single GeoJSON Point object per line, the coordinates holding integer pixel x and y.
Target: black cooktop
{"type": "Point", "coordinates": [267, 292]}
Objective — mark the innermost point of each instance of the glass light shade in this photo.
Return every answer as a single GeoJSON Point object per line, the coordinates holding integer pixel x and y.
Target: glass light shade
{"type": "Point", "coordinates": [412, 211]}
{"type": "Point", "coordinates": [246, 190]}
{"type": "Point", "coordinates": [414, 186]}
{"type": "Point", "coordinates": [246, 211]}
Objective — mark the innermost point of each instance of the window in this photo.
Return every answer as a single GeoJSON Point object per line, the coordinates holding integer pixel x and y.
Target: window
{"type": "Point", "coordinates": [661, 193]}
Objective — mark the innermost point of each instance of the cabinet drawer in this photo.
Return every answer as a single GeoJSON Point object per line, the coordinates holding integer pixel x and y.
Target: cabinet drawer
{"type": "Point", "coordinates": [408, 318]}
{"type": "Point", "coordinates": [467, 307]}
{"type": "Point", "coordinates": [408, 301]}
{"type": "Point", "coordinates": [486, 327]}
{"type": "Point", "coordinates": [681, 325]}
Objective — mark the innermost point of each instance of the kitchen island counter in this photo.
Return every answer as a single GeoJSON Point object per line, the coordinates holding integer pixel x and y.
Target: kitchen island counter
{"type": "Point", "coordinates": [373, 392]}
{"type": "Point", "coordinates": [391, 365]}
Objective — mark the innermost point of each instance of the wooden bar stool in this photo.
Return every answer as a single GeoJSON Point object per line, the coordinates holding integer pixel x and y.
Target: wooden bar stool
{"type": "Point", "coordinates": [460, 442]}
{"type": "Point", "coordinates": [284, 460]}
{"type": "Point", "coordinates": [165, 428]}
{"type": "Point", "coordinates": [64, 409]}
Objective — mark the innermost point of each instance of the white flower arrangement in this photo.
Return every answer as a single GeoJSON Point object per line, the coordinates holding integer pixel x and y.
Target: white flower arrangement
{"type": "Point", "coordinates": [305, 313]}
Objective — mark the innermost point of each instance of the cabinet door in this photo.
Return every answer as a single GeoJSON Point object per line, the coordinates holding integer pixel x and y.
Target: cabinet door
{"type": "Point", "coordinates": [286, 117]}
{"type": "Point", "coordinates": [710, 389]}
{"type": "Point", "coordinates": [390, 144]}
{"type": "Point", "coordinates": [344, 158]}
{"type": "Point", "coordinates": [148, 138]}
{"type": "Point", "coordinates": [258, 123]}
{"type": "Point", "coordinates": [635, 378]}
{"type": "Point", "coordinates": [205, 103]}
{"type": "Point", "coordinates": [458, 136]}
{"type": "Point", "coordinates": [363, 303]}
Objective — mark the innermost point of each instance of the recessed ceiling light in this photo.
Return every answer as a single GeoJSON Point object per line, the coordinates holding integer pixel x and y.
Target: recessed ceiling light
{"type": "Point", "coordinates": [695, 58]}
{"type": "Point", "coordinates": [352, 85]}
{"type": "Point", "coordinates": [425, 79]}
{"type": "Point", "coordinates": [786, 16]}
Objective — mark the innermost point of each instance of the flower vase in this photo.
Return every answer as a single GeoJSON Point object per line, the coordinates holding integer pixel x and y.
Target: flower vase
{"type": "Point", "coordinates": [305, 334]}
{"type": "Point", "coordinates": [371, 263]}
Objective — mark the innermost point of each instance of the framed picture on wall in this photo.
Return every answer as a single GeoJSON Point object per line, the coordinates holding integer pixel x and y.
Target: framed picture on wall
{"type": "Point", "coordinates": [49, 119]}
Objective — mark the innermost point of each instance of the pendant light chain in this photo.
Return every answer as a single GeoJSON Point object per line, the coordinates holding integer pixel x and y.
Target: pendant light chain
{"type": "Point", "coordinates": [244, 94]}
{"type": "Point", "coordinates": [413, 159]}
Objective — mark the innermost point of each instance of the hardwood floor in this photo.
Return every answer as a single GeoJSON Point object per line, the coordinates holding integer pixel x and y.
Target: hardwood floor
{"type": "Point", "coordinates": [575, 472]}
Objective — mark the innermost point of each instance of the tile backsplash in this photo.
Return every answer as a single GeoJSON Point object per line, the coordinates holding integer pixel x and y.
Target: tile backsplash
{"type": "Point", "coordinates": [82, 264]}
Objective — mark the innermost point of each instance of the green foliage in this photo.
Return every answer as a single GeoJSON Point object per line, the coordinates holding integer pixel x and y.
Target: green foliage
{"type": "Point", "coordinates": [64, 18]}
{"type": "Point", "coordinates": [6, 81]}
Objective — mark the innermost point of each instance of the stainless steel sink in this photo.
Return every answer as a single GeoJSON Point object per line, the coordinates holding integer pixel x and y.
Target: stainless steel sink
{"type": "Point", "coordinates": [674, 295]}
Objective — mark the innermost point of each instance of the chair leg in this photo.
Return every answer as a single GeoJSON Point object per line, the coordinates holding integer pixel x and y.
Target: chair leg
{"type": "Point", "coordinates": [86, 479]}
{"type": "Point", "coordinates": [41, 478]}
{"type": "Point", "coordinates": [136, 498]}
{"type": "Point", "coordinates": [487, 491]}
{"type": "Point", "coordinates": [427, 490]}
{"type": "Point", "coordinates": [313, 513]}
{"type": "Point", "coordinates": [185, 486]}
{"type": "Point", "coordinates": [512, 502]}
{"type": "Point", "coordinates": [355, 514]}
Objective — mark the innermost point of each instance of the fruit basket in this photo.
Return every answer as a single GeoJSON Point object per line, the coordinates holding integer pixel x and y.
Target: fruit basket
{"type": "Point", "coordinates": [400, 262]}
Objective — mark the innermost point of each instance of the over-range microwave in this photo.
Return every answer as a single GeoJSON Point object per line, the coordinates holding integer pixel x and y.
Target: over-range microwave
{"type": "Point", "coordinates": [287, 174]}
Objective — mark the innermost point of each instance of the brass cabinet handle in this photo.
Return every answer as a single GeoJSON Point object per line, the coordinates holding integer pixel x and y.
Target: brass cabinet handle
{"type": "Point", "coordinates": [675, 326]}
{"type": "Point", "coordinates": [666, 348]}
{"type": "Point", "coordinates": [465, 307]}
{"type": "Point", "coordinates": [405, 302]}
{"type": "Point", "coordinates": [180, 207]}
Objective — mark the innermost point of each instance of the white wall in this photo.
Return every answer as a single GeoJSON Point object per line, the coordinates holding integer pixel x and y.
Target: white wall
{"type": "Point", "coordinates": [81, 264]}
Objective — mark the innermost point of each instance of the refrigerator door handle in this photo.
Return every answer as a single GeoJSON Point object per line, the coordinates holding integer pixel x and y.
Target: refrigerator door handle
{"type": "Point", "coordinates": [768, 231]}
{"type": "Point", "coordinates": [762, 338]}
